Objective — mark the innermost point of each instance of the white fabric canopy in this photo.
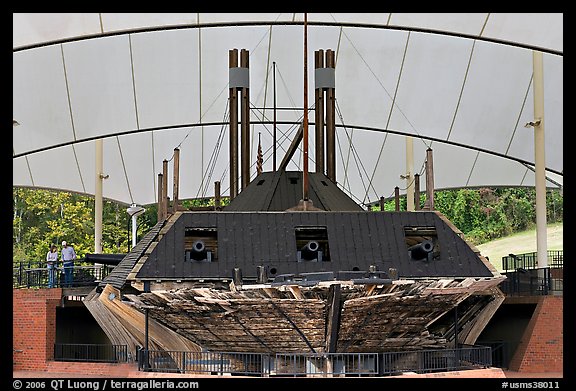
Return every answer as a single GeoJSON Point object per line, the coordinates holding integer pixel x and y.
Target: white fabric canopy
{"type": "Point", "coordinates": [460, 84]}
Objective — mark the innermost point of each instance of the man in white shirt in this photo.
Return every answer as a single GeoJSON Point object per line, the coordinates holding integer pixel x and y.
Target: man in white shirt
{"type": "Point", "coordinates": [68, 258]}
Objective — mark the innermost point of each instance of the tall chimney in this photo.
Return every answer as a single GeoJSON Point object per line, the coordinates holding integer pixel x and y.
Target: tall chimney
{"type": "Point", "coordinates": [331, 119]}
{"type": "Point", "coordinates": [319, 112]}
{"type": "Point", "coordinates": [239, 78]}
{"type": "Point", "coordinates": [234, 74]}
{"type": "Point", "coordinates": [245, 123]}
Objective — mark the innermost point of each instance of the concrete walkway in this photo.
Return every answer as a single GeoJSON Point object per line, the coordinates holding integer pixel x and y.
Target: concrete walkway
{"type": "Point", "coordinates": [478, 373]}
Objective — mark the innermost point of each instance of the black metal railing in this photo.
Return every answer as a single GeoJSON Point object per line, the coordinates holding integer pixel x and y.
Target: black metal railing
{"type": "Point", "coordinates": [312, 364]}
{"type": "Point", "coordinates": [319, 364]}
{"type": "Point", "coordinates": [529, 260]}
{"type": "Point", "coordinates": [437, 360]}
{"type": "Point", "coordinates": [202, 362]}
{"type": "Point", "coordinates": [500, 352]}
{"type": "Point", "coordinates": [533, 282]}
{"type": "Point", "coordinates": [524, 277]}
{"type": "Point", "coordinates": [36, 275]}
{"type": "Point", "coordinates": [91, 352]}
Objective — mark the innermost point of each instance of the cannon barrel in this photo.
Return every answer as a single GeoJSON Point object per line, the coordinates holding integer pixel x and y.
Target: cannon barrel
{"type": "Point", "coordinates": [310, 250]}
{"type": "Point", "coordinates": [198, 251]}
{"type": "Point", "coordinates": [421, 250]}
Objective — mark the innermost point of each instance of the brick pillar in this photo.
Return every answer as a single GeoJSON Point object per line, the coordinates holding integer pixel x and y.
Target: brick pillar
{"type": "Point", "coordinates": [33, 327]}
{"type": "Point", "coordinates": [541, 348]}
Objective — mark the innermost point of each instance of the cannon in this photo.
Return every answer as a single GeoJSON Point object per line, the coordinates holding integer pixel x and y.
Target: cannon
{"type": "Point", "coordinates": [421, 250]}
{"type": "Point", "coordinates": [310, 252]}
{"type": "Point", "coordinates": [199, 252]}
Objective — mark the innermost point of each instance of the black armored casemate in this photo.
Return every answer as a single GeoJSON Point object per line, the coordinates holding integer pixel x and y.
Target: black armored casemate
{"type": "Point", "coordinates": [210, 245]}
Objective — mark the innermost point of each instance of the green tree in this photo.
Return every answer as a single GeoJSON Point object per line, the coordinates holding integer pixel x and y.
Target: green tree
{"type": "Point", "coordinates": [466, 210]}
{"type": "Point", "coordinates": [43, 217]}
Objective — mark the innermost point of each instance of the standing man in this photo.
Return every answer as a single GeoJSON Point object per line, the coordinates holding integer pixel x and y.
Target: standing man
{"type": "Point", "coordinates": [51, 261]}
{"type": "Point", "coordinates": [68, 258]}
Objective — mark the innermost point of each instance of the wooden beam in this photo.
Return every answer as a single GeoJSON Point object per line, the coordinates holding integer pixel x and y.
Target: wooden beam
{"type": "Point", "coordinates": [164, 189]}
{"type": "Point", "coordinates": [132, 321]}
{"type": "Point", "coordinates": [217, 205]}
{"type": "Point", "coordinates": [293, 325]}
{"type": "Point", "coordinates": [176, 179]}
{"type": "Point", "coordinates": [292, 148]}
{"type": "Point", "coordinates": [296, 292]}
{"type": "Point", "coordinates": [429, 205]}
{"type": "Point", "coordinates": [333, 322]}
{"type": "Point", "coordinates": [159, 204]}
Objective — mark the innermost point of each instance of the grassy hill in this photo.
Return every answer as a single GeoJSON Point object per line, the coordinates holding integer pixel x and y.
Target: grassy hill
{"type": "Point", "coordinates": [520, 243]}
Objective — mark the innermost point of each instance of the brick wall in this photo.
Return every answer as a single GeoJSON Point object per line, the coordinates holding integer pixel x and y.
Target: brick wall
{"type": "Point", "coordinates": [541, 348]}
{"type": "Point", "coordinates": [92, 369]}
{"type": "Point", "coordinates": [33, 327]}
{"type": "Point", "coordinates": [34, 335]}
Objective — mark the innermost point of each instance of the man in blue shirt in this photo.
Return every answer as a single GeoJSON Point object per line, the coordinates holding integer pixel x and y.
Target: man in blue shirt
{"type": "Point", "coordinates": [68, 258]}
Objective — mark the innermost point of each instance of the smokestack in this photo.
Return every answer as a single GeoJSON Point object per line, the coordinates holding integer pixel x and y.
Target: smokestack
{"type": "Point", "coordinates": [234, 75]}
{"type": "Point", "coordinates": [239, 78]}
{"type": "Point", "coordinates": [245, 123]}
{"type": "Point", "coordinates": [319, 112]}
{"type": "Point", "coordinates": [331, 119]}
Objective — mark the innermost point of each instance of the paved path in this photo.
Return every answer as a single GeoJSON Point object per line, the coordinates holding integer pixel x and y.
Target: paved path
{"type": "Point", "coordinates": [488, 373]}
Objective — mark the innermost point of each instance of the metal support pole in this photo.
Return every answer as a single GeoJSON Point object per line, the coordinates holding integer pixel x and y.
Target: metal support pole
{"type": "Point", "coordinates": [245, 125]}
{"type": "Point", "coordinates": [128, 240]}
{"type": "Point", "coordinates": [134, 231]}
{"type": "Point", "coordinates": [382, 202]}
{"type": "Point", "coordinates": [305, 135]}
{"type": "Point", "coordinates": [456, 327]}
{"type": "Point", "coordinates": [146, 344]}
{"type": "Point", "coordinates": [274, 133]}
{"type": "Point", "coordinates": [397, 198]}
{"type": "Point", "coordinates": [540, 160]}
{"type": "Point", "coordinates": [98, 204]}
{"type": "Point", "coordinates": [457, 351]}
{"type": "Point", "coordinates": [409, 174]}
